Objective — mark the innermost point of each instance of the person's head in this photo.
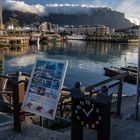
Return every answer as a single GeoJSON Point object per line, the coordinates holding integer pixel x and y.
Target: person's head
{"type": "Point", "coordinates": [78, 84]}
{"type": "Point", "coordinates": [104, 89]}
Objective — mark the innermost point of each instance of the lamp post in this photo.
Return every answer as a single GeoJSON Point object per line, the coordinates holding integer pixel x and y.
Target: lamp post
{"type": "Point", "coordinates": [1, 23]}
{"type": "Point", "coordinates": [138, 80]}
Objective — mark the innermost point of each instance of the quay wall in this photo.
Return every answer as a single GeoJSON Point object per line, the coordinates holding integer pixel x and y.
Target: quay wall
{"type": "Point", "coordinates": [112, 39]}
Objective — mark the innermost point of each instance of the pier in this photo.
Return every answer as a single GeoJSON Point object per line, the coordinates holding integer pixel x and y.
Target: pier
{"type": "Point", "coordinates": [9, 40]}
{"type": "Point", "coordinates": [117, 124]}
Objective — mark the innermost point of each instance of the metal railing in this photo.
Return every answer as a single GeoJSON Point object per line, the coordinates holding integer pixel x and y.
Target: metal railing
{"type": "Point", "coordinates": [114, 90]}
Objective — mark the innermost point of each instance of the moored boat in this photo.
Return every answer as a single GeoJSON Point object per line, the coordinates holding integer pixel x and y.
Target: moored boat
{"type": "Point", "coordinates": [7, 87]}
{"type": "Point", "coordinates": [76, 37]}
{"type": "Point", "coordinates": [130, 67]}
{"type": "Point", "coordinates": [112, 71]}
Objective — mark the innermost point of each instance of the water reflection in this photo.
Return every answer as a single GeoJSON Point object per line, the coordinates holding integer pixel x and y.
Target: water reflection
{"type": "Point", "coordinates": [91, 50]}
{"type": "Point", "coordinates": [86, 59]}
{"type": "Point", "coordinates": [15, 50]}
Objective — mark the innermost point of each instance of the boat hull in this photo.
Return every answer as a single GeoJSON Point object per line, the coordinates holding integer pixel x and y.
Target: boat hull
{"type": "Point", "coordinates": [77, 37]}
{"type": "Point", "coordinates": [131, 78]}
{"type": "Point", "coordinates": [7, 88]}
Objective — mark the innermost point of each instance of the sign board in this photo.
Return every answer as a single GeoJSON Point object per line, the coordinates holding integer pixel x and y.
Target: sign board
{"type": "Point", "coordinates": [88, 113]}
{"type": "Point", "coordinates": [43, 91]}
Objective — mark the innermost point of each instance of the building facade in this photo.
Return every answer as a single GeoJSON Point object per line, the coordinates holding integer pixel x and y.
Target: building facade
{"type": "Point", "coordinates": [47, 26]}
{"type": "Point", "coordinates": [96, 30]}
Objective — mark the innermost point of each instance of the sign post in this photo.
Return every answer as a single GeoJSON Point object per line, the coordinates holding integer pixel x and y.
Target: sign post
{"type": "Point", "coordinates": [17, 120]}
{"type": "Point", "coordinates": [43, 91]}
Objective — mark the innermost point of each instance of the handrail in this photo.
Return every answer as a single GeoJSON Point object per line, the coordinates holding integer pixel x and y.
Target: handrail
{"type": "Point", "coordinates": [6, 103]}
{"type": "Point", "coordinates": [116, 77]}
{"type": "Point", "coordinates": [5, 77]}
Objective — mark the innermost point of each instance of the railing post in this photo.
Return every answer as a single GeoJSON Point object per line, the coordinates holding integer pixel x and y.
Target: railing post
{"type": "Point", "coordinates": [105, 100]}
{"type": "Point", "coordinates": [104, 132]}
{"type": "Point", "coordinates": [60, 109]}
{"type": "Point", "coordinates": [119, 101]}
{"type": "Point", "coordinates": [41, 121]}
{"type": "Point", "coordinates": [17, 122]}
{"type": "Point", "coordinates": [76, 127]}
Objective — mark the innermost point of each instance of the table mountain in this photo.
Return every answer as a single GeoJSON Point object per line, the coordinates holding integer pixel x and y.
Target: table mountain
{"type": "Point", "coordinates": [101, 16]}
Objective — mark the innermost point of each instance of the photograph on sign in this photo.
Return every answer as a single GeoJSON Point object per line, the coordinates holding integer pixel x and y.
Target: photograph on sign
{"type": "Point", "coordinates": [43, 91]}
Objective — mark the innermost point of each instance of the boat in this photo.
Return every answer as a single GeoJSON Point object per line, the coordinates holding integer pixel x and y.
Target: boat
{"type": "Point", "coordinates": [112, 71]}
{"type": "Point", "coordinates": [76, 37]}
{"type": "Point", "coordinates": [7, 89]}
{"type": "Point", "coordinates": [130, 67]}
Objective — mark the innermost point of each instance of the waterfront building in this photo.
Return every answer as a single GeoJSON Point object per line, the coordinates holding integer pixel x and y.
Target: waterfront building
{"type": "Point", "coordinates": [10, 27]}
{"type": "Point", "coordinates": [102, 30]}
{"type": "Point", "coordinates": [47, 26]}
{"type": "Point", "coordinates": [96, 30]}
{"type": "Point", "coordinates": [134, 31]}
{"type": "Point", "coordinates": [131, 32]}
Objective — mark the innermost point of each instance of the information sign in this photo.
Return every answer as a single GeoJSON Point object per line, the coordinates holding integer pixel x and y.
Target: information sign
{"type": "Point", "coordinates": [43, 91]}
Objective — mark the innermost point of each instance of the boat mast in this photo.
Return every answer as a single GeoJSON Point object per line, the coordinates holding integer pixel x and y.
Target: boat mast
{"type": "Point", "coordinates": [138, 80]}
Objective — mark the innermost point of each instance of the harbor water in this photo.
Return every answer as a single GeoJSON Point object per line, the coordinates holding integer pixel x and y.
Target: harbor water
{"type": "Point", "coordinates": [86, 60]}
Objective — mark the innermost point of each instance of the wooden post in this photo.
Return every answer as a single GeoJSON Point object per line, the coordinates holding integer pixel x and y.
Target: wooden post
{"type": "Point", "coordinates": [41, 121]}
{"type": "Point", "coordinates": [17, 122]}
{"type": "Point", "coordinates": [119, 101]}
{"type": "Point", "coordinates": [105, 100]}
{"type": "Point", "coordinates": [60, 109]}
{"type": "Point", "coordinates": [76, 127]}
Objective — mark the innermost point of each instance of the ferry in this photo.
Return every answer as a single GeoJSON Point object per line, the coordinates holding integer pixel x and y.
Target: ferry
{"type": "Point", "coordinates": [76, 37]}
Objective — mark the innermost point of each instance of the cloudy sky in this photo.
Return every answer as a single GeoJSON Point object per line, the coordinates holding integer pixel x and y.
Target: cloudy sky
{"type": "Point", "coordinates": [131, 8]}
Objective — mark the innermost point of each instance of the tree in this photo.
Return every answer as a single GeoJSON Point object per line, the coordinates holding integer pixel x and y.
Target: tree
{"type": "Point", "coordinates": [13, 21]}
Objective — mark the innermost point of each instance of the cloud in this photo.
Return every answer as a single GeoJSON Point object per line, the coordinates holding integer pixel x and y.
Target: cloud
{"type": "Point", "coordinates": [22, 6]}
{"type": "Point", "coordinates": [130, 8]}
{"type": "Point", "coordinates": [50, 8]}
{"type": "Point", "coordinates": [71, 8]}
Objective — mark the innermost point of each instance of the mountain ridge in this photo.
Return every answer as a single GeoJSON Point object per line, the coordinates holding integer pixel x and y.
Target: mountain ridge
{"type": "Point", "coordinates": [101, 16]}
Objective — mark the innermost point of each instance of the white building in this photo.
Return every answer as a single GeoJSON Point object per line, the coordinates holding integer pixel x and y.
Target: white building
{"type": "Point", "coordinates": [96, 30]}
{"type": "Point", "coordinates": [10, 27]}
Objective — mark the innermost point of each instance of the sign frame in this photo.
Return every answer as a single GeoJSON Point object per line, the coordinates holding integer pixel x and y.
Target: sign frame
{"type": "Point", "coordinates": [51, 94]}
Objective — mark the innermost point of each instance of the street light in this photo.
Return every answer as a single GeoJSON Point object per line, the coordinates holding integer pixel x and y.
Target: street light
{"type": "Point", "coordinates": [138, 80]}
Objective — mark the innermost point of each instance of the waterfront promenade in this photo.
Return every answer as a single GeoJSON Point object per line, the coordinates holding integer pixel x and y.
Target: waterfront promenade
{"type": "Point", "coordinates": [123, 128]}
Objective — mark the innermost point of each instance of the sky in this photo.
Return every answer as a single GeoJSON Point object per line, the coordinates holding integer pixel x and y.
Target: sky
{"type": "Point", "coordinates": [131, 8]}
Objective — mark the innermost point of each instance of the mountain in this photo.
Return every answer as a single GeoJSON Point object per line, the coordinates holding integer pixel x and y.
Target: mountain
{"type": "Point", "coordinates": [101, 16]}
{"type": "Point", "coordinates": [23, 18]}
